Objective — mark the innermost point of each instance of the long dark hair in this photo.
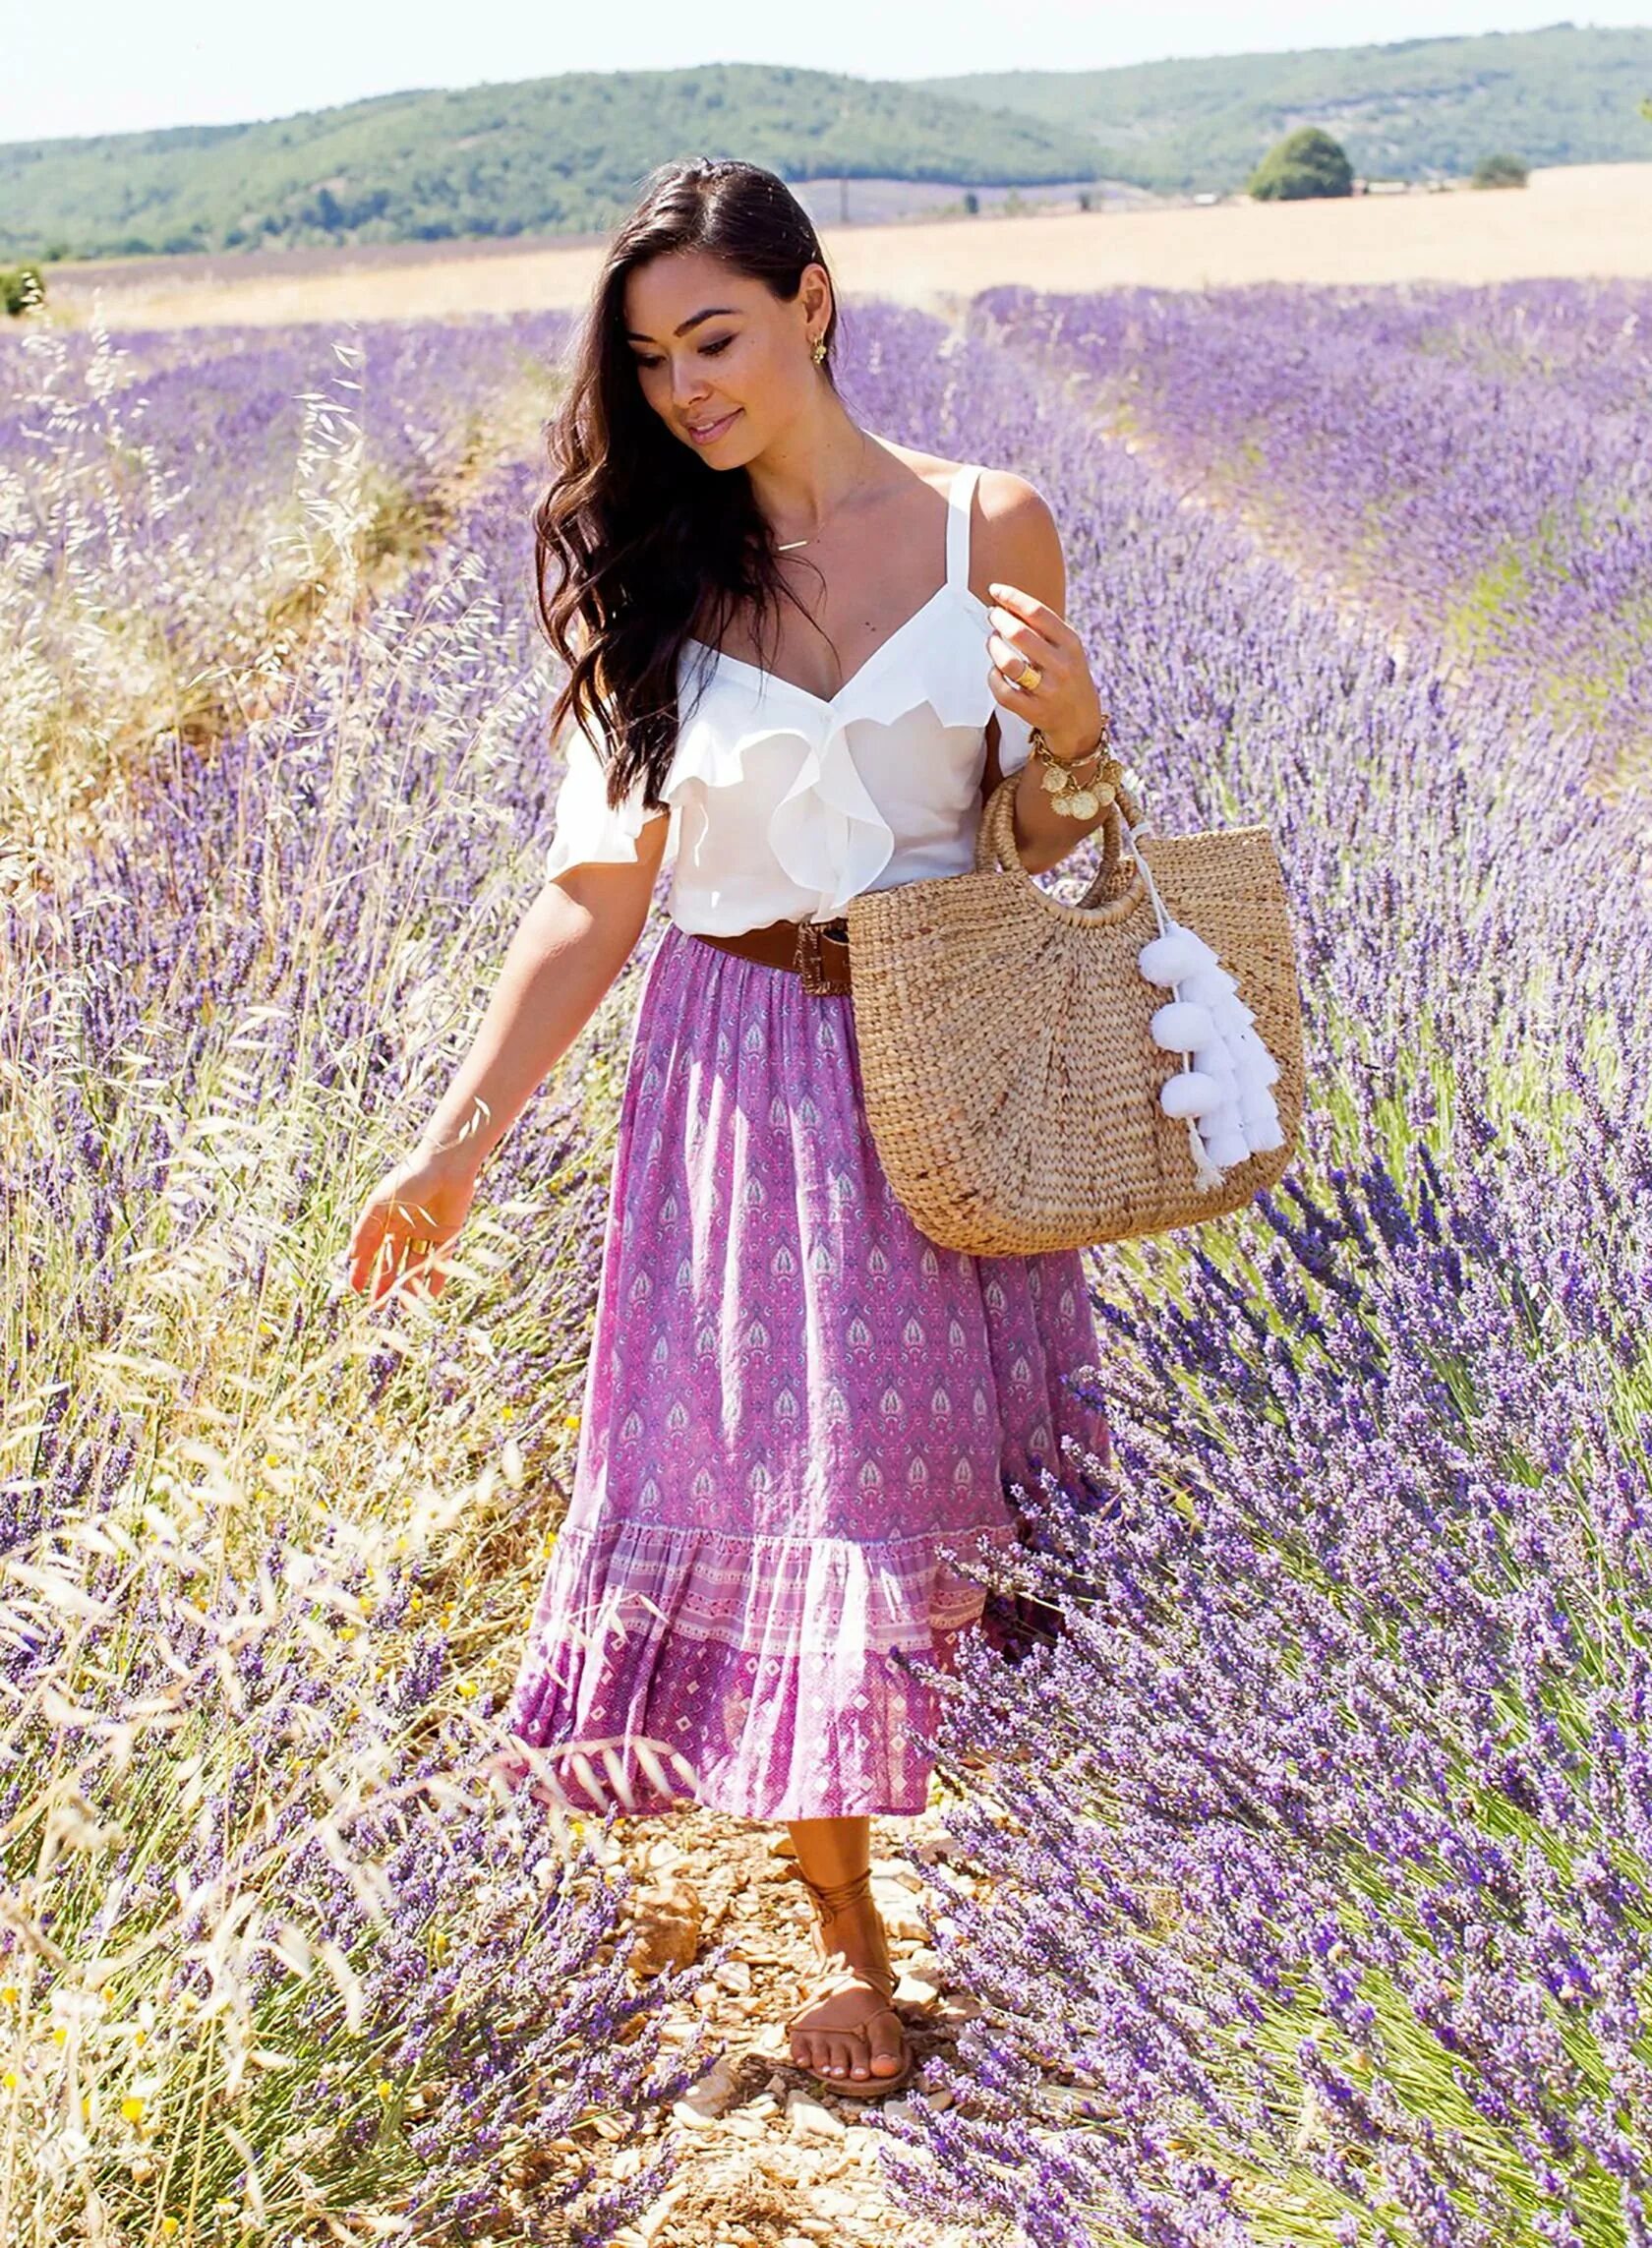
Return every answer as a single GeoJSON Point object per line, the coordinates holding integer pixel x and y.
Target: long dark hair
{"type": "Point", "coordinates": [633, 532]}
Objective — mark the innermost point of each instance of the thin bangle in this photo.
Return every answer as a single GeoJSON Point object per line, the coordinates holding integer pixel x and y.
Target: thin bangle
{"type": "Point", "coordinates": [1048, 756]}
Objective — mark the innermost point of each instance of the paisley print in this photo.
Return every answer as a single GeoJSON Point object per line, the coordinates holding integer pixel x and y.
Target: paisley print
{"type": "Point", "coordinates": [798, 1413]}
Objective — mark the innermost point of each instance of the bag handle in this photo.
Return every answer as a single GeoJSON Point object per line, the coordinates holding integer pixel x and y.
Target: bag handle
{"type": "Point", "coordinates": [1103, 901]}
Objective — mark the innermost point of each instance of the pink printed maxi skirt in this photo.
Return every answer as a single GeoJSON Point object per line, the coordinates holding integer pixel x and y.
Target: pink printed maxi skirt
{"type": "Point", "coordinates": [796, 1407]}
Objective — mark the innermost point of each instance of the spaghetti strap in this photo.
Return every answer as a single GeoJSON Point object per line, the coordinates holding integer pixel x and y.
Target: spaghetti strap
{"type": "Point", "coordinates": [957, 526]}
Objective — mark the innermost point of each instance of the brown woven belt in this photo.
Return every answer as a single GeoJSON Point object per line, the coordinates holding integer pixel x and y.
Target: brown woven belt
{"type": "Point", "coordinates": [816, 951]}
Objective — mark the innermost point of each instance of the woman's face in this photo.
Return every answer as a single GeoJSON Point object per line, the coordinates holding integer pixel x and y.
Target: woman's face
{"type": "Point", "coordinates": [722, 361]}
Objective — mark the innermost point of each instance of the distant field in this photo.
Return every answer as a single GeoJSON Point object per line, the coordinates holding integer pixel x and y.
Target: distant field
{"type": "Point", "coordinates": [1572, 221]}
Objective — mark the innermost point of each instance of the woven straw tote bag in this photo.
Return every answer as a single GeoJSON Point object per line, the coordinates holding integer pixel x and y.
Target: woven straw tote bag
{"type": "Point", "coordinates": [1044, 1075]}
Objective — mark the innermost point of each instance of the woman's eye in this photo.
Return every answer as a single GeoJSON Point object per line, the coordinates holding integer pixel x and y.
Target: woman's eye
{"type": "Point", "coordinates": [711, 350]}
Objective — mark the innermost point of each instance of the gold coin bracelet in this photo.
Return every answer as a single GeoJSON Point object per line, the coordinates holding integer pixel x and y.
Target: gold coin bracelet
{"type": "Point", "coordinates": [1073, 798]}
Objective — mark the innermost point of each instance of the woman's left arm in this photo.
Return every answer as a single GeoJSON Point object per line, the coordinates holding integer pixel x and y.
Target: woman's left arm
{"type": "Point", "coordinates": [1027, 591]}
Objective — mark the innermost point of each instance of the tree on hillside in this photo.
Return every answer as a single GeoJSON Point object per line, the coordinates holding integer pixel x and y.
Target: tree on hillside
{"type": "Point", "coordinates": [1306, 162]}
{"type": "Point", "coordinates": [22, 286]}
{"type": "Point", "coordinates": [1500, 171]}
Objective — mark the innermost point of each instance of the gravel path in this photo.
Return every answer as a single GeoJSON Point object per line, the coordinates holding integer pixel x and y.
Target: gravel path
{"type": "Point", "coordinates": [767, 2159]}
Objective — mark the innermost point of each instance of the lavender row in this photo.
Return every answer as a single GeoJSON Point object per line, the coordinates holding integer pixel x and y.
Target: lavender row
{"type": "Point", "coordinates": [223, 404]}
{"type": "Point", "coordinates": [1472, 460]}
{"type": "Point", "coordinates": [170, 511]}
{"type": "Point", "coordinates": [216, 1032]}
{"type": "Point", "coordinates": [1319, 1868]}
{"type": "Point", "coordinates": [216, 418]}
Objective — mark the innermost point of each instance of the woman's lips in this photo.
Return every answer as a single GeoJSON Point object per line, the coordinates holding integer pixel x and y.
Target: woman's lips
{"type": "Point", "coordinates": [714, 430]}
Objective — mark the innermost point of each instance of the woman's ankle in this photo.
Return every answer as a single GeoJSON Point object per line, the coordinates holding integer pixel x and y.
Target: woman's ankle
{"type": "Point", "coordinates": [856, 1930]}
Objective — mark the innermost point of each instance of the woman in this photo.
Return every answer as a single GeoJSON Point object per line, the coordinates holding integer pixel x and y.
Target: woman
{"type": "Point", "coordinates": [797, 1407]}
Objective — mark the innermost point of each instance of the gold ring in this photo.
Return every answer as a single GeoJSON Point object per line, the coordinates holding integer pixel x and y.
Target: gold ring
{"type": "Point", "coordinates": [1030, 678]}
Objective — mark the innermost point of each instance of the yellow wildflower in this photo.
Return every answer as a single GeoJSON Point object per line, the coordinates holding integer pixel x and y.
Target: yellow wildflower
{"type": "Point", "coordinates": [132, 2107]}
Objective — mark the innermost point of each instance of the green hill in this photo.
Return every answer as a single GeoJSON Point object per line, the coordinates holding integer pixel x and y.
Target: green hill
{"type": "Point", "coordinates": [1560, 95]}
{"type": "Point", "coordinates": [566, 154]}
{"type": "Point", "coordinates": [548, 156]}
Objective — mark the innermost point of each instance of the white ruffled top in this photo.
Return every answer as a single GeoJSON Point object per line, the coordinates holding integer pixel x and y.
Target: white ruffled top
{"type": "Point", "coordinates": [785, 805]}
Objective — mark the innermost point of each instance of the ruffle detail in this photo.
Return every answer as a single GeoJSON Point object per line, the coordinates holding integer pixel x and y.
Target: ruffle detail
{"type": "Point", "coordinates": [589, 831]}
{"type": "Point", "coordinates": [827, 834]}
{"type": "Point", "coordinates": [772, 1659]}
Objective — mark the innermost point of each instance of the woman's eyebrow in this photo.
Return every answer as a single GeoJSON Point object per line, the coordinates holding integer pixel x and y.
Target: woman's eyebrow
{"type": "Point", "coordinates": [710, 312]}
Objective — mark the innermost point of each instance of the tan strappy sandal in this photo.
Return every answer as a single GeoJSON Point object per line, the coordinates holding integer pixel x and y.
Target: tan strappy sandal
{"type": "Point", "coordinates": [830, 1897]}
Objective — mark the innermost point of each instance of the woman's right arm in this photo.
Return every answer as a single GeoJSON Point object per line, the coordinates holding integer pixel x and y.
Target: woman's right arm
{"type": "Point", "coordinates": [563, 957]}
{"type": "Point", "coordinates": [570, 945]}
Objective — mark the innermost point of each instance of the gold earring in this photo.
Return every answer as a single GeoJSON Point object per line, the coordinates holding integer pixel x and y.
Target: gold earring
{"type": "Point", "coordinates": [819, 352]}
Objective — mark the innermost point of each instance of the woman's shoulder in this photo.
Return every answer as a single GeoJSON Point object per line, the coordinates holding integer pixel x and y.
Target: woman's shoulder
{"type": "Point", "coordinates": [1006, 497]}
{"type": "Point", "coordinates": [1012, 525]}
{"type": "Point", "coordinates": [1014, 539]}
{"type": "Point", "coordinates": [1001, 489]}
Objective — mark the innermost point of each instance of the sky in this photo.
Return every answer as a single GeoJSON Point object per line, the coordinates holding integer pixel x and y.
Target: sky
{"type": "Point", "coordinates": [195, 62]}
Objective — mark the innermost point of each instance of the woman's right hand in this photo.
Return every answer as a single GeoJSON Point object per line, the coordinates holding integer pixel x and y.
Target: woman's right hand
{"type": "Point", "coordinates": [424, 1200]}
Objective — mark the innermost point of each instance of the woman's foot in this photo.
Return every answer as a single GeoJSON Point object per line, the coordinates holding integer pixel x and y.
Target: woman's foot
{"type": "Point", "coordinates": [849, 2034]}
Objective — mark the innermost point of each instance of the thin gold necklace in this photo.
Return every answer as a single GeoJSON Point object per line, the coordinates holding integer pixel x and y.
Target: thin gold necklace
{"type": "Point", "coordinates": [786, 546]}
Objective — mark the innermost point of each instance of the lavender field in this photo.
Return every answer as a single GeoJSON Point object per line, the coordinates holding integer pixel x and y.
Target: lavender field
{"type": "Point", "coordinates": [1304, 1888]}
{"type": "Point", "coordinates": [1471, 462]}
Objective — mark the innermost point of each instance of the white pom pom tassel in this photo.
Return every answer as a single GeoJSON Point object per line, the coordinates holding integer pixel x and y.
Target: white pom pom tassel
{"type": "Point", "coordinates": [1205, 1177]}
{"type": "Point", "coordinates": [1209, 985]}
{"type": "Point", "coordinates": [1170, 958]}
{"type": "Point", "coordinates": [1182, 1026]}
{"type": "Point", "coordinates": [1265, 1067]}
{"type": "Point", "coordinates": [1190, 1092]}
{"type": "Point", "coordinates": [1227, 1147]}
{"type": "Point", "coordinates": [1229, 1112]}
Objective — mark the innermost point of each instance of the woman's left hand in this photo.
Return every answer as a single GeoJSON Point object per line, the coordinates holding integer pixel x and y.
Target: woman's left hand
{"type": "Point", "coordinates": [1064, 705]}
